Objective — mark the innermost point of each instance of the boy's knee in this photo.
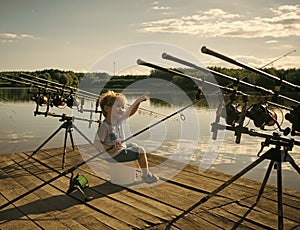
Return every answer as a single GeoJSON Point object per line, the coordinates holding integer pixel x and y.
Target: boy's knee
{"type": "Point", "coordinates": [141, 150]}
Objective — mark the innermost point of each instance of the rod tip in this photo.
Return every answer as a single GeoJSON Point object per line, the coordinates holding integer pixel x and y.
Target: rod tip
{"type": "Point", "coordinates": [203, 49]}
{"type": "Point", "coordinates": [139, 61]}
{"type": "Point", "coordinates": [164, 55]}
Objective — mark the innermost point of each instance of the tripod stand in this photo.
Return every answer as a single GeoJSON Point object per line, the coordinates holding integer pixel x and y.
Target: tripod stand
{"type": "Point", "coordinates": [277, 155]}
{"type": "Point", "coordinates": [67, 125]}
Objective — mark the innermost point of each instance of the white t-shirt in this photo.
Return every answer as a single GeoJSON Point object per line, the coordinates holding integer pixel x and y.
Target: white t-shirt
{"type": "Point", "coordinates": [109, 134]}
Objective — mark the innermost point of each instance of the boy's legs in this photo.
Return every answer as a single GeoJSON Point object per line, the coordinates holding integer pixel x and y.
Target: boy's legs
{"type": "Point", "coordinates": [135, 153]}
{"type": "Point", "coordinates": [143, 162]}
{"type": "Point", "coordinates": [138, 153]}
{"type": "Point", "coordinates": [147, 176]}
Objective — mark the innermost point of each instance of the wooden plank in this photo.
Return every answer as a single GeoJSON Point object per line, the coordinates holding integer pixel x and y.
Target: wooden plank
{"type": "Point", "coordinates": [185, 178]}
{"type": "Point", "coordinates": [184, 200]}
{"type": "Point", "coordinates": [255, 215]}
{"type": "Point", "coordinates": [70, 210]}
{"type": "Point", "coordinates": [56, 203]}
{"type": "Point", "coordinates": [117, 207]}
{"type": "Point", "coordinates": [234, 221]}
{"type": "Point", "coordinates": [137, 203]}
{"type": "Point", "coordinates": [11, 219]}
{"type": "Point", "coordinates": [292, 213]}
{"type": "Point", "coordinates": [207, 220]}
{"type": "Point", "coordinates": [210, 180]}
{"type": "Point", "coordinates": [155, 203]}
{"type": "Point", "coordinates": [150, 205]}
{"type": "Point", "coordinates": [27, 205]}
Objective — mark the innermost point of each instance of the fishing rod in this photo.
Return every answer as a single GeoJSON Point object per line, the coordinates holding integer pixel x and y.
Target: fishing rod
{"type": "Point", "coordinates": [25, 82]}
{"type": "Point", "coordinates": [294, 115]}
{"type": "Point", "coordinates": [73, 89]}
{"type": "Point", "coordinates": [261, 68]}
{"type": "Point", "coordinates": [257, 112]}
{"type": "Point", "coordinates": [235, 80]}
{"type": "Point", "coordinates": [54, 86]}
{"type": "Point", "coordinates": [205, 50]}
{"type": "Point", "coordinates": [239, 116]}
{"type": "Point", "coordinates": [272, 154]}
{"type": "Point", "coordinates": [92, 95]}
{"type": "Point", "coordinates": [61, 95]}
{"type": "Point", "coordinates": [60, 90]}
{"type": "Point", "coordinates": [198, 80]}
{"type": "Point", "coordinates": [73, 168]}
{"type": "Point", "coordinates": [42, 97]}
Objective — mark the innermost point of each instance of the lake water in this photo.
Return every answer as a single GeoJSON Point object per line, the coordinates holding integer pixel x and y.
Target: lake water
{"type": "Point", "coordinates": [187, 134]}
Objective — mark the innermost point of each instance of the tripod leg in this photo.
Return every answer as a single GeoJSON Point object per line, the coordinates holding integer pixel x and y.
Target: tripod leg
{"type": "Point", "coordinates": [293, 163]}
{"type": "Point", "coordinates": [266, 178]}
{"type": "Point", "coordinates": [232, 179]}
{"type": "Point", "coordinates": [65, 145]}
{"type": "Point", "coordinates": [46, 141]}
{"type": "Point", "coordinates": [86, 198]}
{"type": "Point", "coordinates": [85, 137]}
{"type": "Point", "coordinates": [81, 191]}
{"type": "Point", "coordinates": [71, 138]}
{"type": "Point", "coordinates": [220, 188]}
{"type": "Point", "coordinates": [279, 195]}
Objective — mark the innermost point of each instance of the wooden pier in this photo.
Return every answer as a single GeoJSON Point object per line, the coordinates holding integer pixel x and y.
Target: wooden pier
{"type": "Point", "coordinates": [136, 207]}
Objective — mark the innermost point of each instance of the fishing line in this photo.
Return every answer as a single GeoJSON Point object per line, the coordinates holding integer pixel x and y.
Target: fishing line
{"type": "Point", "coordinates": [150, 112]}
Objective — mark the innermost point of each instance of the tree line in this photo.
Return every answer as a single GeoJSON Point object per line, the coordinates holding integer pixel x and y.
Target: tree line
{"type": "Point", "coordinates": [94, 81]}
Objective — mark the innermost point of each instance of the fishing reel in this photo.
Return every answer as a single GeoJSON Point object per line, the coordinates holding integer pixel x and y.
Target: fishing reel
{"type": "Point", "coordinates": [231, 113]}
{"type": "Point", "coordinates": [40, 98]}
{"type": "Point", "coordinates": [58, 101]}
{"type": "Point", "coordinates": [294, 117]}
{"type": "Point", "coordinates": [261, 115]}
{"type": "Point", "coordinates": [72, 101]}
{"type": "Point", "coordinates": [69, 101]}
{"type": "Point", "coordinates": [79, 182]}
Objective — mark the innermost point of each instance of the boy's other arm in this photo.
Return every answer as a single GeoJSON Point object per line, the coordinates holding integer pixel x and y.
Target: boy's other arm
{"type": "Point", "coordinates": [112, 149]}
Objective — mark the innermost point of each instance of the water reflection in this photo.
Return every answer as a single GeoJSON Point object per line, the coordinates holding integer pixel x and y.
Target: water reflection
{"type": "Point", "coordinates": [14, 94]}
{"type": "Point", "coordinates": [22, 131]}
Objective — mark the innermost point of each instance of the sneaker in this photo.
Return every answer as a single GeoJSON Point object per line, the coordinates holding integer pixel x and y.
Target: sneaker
{"type": "Point", "coordinates": [150, 178]}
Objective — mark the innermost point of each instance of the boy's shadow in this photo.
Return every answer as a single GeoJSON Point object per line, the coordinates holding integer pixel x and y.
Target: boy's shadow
{"type": "Point", "coordinates": [58, 202]}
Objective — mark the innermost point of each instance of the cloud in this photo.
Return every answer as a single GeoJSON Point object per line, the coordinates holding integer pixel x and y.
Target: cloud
{"type": "Point", "coordinates": [10, 37]}
{"type": "Point", "coordinates": [166, 10]}
{"type": "Point", "coordinates": [161, 8]}
{"type": "Point", "coordinates": [283, 21]}
{"type": "Point", "coordinates": [271, 41]}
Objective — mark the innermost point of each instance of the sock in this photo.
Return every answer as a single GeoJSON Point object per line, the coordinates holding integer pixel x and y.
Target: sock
{"type": "Point", "coordinates": [145, 171]}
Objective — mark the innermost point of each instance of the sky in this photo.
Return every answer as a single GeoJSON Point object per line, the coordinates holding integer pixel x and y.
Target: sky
{"type": "Point", "coordinates": [75, 34]}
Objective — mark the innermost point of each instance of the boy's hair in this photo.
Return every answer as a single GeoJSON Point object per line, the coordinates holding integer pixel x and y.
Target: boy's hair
{"type": "Point", "coordinates": [109, 98]}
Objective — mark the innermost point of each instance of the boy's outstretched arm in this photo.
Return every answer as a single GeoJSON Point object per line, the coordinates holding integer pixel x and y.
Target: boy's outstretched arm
{"type": "Point", "coordinates": [134, 107]}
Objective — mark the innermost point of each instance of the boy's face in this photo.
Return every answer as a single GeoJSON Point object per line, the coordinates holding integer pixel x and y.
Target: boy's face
{"type": "Point", "coordinates": [117, 110]}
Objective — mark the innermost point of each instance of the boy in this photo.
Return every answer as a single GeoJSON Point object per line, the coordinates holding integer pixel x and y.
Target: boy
{"type": "Point", "coordinates": [111, 132]}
